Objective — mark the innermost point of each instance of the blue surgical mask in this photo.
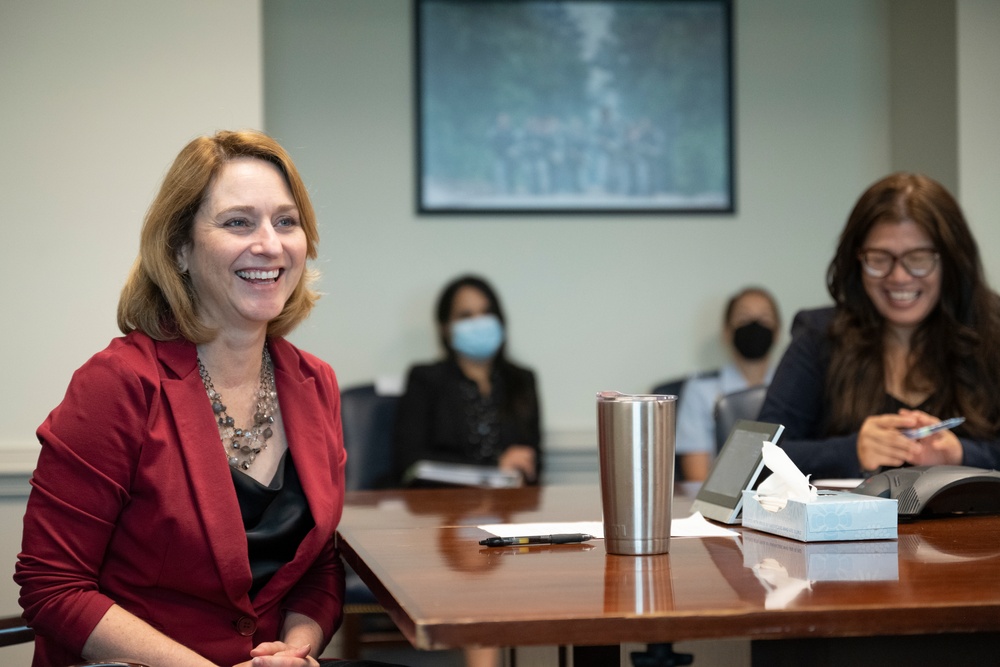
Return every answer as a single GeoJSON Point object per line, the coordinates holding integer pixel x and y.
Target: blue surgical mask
{"type": "Point", "coordinates": [477, 338]}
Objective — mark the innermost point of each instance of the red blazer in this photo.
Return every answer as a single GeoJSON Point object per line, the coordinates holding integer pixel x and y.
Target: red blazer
{"type": "Point", "coordinates": [132, 503]}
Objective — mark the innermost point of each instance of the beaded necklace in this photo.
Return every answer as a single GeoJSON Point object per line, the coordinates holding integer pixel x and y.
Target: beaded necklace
{"type": "Point", "coordinates": [244, 444]}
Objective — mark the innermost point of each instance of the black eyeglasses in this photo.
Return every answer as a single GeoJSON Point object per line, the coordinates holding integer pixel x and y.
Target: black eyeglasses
{"type": "Point", "coordinates": [919, 262]}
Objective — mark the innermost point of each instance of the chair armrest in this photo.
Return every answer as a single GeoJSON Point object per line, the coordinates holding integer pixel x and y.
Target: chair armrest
{"type": "Point", "coordinates": [13, 630]}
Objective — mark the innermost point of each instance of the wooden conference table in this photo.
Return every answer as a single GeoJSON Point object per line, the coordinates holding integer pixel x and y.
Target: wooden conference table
{"type": "Point", "coordinates": [934, 592]}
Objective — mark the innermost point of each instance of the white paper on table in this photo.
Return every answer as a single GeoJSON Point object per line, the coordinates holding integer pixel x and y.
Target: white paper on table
{"type": "Point", "coordinates": [595, 528]}
{"type": "Point", "coordinates": [692, 526]}
{"type": "Point", "coordinates": [697, 526]}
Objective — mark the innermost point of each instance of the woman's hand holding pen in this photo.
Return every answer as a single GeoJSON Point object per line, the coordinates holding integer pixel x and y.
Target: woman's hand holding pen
{"type": "Point", "coordinates": [941, 448]}
{"type": "Point", "coordinates": [880, 443]}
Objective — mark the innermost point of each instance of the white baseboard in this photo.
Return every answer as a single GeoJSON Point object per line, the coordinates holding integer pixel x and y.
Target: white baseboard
{"type": "Point", "coordinates": [570, 456]}
{"type": "Point", "coordinates": [18, 459]}
{"type": "Point", "coordinates": [570, 439]}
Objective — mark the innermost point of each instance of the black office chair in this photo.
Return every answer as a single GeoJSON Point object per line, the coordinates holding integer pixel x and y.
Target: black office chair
{"type": "Point", "coordinates": [368, 417]}
{"type": "Point", "coordinates": [13, 630]}
{"type": "Point", "coordinates": [670, 387]}
{"type": "Point", "coordinates": [744, 404]}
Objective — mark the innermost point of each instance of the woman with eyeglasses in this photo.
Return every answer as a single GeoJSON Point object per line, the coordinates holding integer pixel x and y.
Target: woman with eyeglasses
{"type": "Point", "coordinates": [913, 338]}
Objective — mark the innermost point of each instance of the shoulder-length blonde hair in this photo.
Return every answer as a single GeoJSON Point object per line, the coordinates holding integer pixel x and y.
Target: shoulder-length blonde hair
{"type": "Point", "coordinates": [158, 299]}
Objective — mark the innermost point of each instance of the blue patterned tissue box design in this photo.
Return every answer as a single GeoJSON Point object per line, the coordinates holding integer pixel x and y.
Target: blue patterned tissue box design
{"type": "Point", "coordinates": [833, 515]}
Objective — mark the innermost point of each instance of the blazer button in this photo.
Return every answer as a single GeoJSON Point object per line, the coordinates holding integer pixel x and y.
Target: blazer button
{"type": "Point", "coordinates": [246, 626]}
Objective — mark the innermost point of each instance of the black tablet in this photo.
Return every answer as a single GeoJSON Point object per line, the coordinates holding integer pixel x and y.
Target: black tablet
{"type": "Point", "coordinates": [737, 467]}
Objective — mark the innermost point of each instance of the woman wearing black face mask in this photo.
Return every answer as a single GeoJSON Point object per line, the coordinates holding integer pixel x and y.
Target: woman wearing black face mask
{"type": "Point", "coordinates": [750, 325]}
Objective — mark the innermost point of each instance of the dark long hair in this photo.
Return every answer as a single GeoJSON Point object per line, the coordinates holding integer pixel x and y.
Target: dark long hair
{"type": "Point", "coordinates": [517, 401]}
{"type": "Point", "coordinates": [955, 350]}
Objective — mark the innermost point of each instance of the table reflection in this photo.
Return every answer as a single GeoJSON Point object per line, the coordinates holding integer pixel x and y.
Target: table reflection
{"type": "Point", "coordinates": [786, 568]}
{"type": "Point", "coordinates": [857, 560]}
{"type": "Point", "coordinates": [954, 547]}
{"type": "Point", "coordinates": [536, 550]}
{"type": "Point", "coordinates": [638, 584]}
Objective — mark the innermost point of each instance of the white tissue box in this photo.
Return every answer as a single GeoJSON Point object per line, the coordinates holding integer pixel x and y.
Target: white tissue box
{"type": "Point", "coordinates": [833, 515]}
{"type": "Point", "coordinates": [840, 561]}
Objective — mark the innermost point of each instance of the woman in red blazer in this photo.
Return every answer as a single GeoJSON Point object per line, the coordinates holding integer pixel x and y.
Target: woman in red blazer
{"type": "Point", "coordinates": [190, 483]}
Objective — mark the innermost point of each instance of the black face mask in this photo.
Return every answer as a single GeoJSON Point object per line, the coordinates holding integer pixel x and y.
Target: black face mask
{"type": "Point", "coordinates": [753, 341]}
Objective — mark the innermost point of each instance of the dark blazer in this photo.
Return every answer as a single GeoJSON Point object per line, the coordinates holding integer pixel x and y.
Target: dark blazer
{"type": "Point", "coordinates": [797, 399]}
{"type": "Point", "coordinates": [431, 424]}
{"type": "Point", "coordinates": [133, 504]}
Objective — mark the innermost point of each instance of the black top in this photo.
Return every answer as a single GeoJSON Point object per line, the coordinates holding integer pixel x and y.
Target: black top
{"type": "Point", "coordinates": [276, 518]}
{"type": "Point", "coordinates": [443, 417]}
{"type": "Point", "coordinates": [796, 398]}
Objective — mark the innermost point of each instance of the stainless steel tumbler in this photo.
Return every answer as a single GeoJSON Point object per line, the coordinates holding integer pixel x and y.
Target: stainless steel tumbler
{"type": "Point", "coordinates": [635, 435]}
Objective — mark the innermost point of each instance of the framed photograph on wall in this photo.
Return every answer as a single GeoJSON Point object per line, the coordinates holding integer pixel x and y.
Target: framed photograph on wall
{"type": "Point", "coordinates": [558, 106]}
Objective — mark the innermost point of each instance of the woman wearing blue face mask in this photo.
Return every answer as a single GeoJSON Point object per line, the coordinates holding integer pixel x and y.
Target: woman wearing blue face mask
{"type": "Point", "coordinates": [474, 406]}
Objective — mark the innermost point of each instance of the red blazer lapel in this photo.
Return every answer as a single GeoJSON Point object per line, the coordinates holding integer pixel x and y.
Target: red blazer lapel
{"type": "Point", "coordinates": [312, 428]}
{"type": "Point", "coordinates": [213, 499]}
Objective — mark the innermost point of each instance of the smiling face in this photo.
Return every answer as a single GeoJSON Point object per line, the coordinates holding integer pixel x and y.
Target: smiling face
{"type": "Point", "coordinates": [903, 300]}
{"type": "Point", "coordinates": [248, 249]}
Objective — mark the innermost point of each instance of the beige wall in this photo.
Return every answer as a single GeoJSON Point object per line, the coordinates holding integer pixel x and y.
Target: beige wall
{"type": "Point", "coordinates": [593, 302]}
{"type": "Point", "coordinates": [99, 97]}
{"type": "Point", "coordinates": [978, 136]}
{"type": "Point", "coordinates": [923, 57]}
{"type": "Point", "coordinates": [601, 302]}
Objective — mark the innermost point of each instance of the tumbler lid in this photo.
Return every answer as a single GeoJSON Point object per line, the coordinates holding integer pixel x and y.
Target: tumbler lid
{"type": "Point", "coordinates": [613, 396]}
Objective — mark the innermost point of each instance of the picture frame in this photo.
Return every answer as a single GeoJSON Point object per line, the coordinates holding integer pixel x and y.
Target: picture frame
{"type": "Point", "coordinates": [585, 106]}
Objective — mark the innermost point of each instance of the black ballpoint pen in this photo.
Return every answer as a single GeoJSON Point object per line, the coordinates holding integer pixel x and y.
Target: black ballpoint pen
{"type": "Point", "coordinates": [558, 538]}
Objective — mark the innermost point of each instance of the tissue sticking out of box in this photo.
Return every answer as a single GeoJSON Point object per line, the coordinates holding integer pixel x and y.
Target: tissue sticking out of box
{"type": "Point", "coordinates": [786, 481]}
